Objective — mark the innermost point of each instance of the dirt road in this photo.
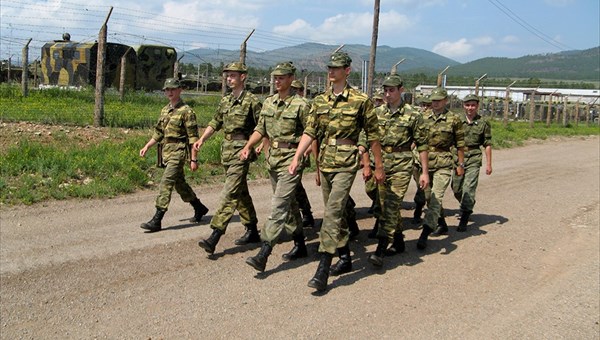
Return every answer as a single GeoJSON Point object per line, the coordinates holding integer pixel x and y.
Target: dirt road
{"type": "Point", "coordinates": [527, 268]}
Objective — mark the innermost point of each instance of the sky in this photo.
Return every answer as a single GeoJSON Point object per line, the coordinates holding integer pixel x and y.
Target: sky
{"type": "Point", "coordinates": [463, 30]}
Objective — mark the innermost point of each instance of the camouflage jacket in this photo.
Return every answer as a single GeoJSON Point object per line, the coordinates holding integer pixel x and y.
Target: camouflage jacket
{"type": "Point", "coordinates": [478, 133]}
{"type": "Point", "coordinates": [336, 122]}
{"type": "Point", "coordinates": [282, 121]}
{"type": "Point", "coordinates": [444, 132]}
{"type": "Point", "coordinates": [237, 117]}
{"type": "Point", "coordinates": [398, 130]}
{"type": "Point", "coordinates": [176, 128]}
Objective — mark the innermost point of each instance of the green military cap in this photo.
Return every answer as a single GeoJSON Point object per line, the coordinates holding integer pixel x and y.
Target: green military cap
{"type": "Point", "coordinates": [393, 80]}
{"type": "Point", "coordinates": [471, 97]}
{"type": "Point", "coordinates": [426, 100]}
{"type": "Point", "coordinates": [297, 84]}
{"type": "Point", "coordinates": [378, 95]}
{"type": "Point", "coordinates": [438, 93]}
{"type": "Point", "coordinates": [237, 67]}
{"type": "Point", "coordinates": [339, 59]}
{"type": "Point", "coordinates": [284, 68]}
{"type": "Point", "coordinates": [171, 83]}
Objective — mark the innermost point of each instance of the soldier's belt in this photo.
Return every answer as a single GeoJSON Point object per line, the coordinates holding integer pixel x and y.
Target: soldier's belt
{"type": "Point", "coordinates": [471, 148]}
{"type": "Point", "coordinates": [390, 149]}
{"type": "Point", "coordinates": [235, 136]}
{"type": "Point", "coordinates": [340, 141]}
{"type": "Point", "coordinates": [434, 149]}
{"type": "Point", "coordinates": [169, 140]}
{"type": "Point", "coordinates": [284, 145]}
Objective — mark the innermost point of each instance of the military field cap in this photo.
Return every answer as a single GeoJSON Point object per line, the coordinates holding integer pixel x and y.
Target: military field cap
{"type": "Point", "coordinates": [438, 93]}
{"type": "Point", "coordinates": [471, 97]}
{"type": "Point", "coordinates": [392, 80]}
{"type": "Point", "coordinates": [339, 59]}
{"type": "Point", "coordinates": [238, 67]}
{"type": "Point", "coordinates": [426, 100]}
{"type": "Point", "coordinates": [297, 84]}
{"type": "Point", "coordinates": [171, 83]}
{"type": "Point", "coordinates": [283, 69]}
{"type": "Point", "coordinates": [378, 95]}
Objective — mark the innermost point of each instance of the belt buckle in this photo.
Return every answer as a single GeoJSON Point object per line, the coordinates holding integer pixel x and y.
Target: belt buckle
{"type": "Point", "coordinates": [388, 149]}
{"type": "Point", "coordinates": [332, 141]}
{"type": "Point", "coordinates": [275, 144]}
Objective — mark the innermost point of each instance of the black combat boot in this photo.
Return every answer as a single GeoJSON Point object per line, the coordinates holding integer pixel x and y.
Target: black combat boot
{"type": "Point", "coordinates": [259, 262]}
{"type": "Point", "coordinates": [442, 228]}
{"type": "Point", "coordinates": [352, 228]}
{"type": "Point", "coordinates": [298, 251]}
{"type": "Point", "coordinates": [464, 219]}
{"type": "Point", "coordinates": [319, 281]}
{"type": "Point", "coordinates": [417, 214]}
{"type": "Point", "coordinates": [250, 236]}
{"type": "Point", "coordinates": [155, 223]}
{"type": "Point", "coordinates": [373, 233]}
{"type": "Point", "coordinates": [422, 242]}
{"type": "Point", "coordinates": [376, 259]}
{"type": "Point", "coordinates": [344, 264]}
{"type": "Point", "coordinates": [210, 243]}
{"type": "Point", "coordinates": [199, 210]}
{"type": "Point", "coordinates": [308, 221]}
{"type": "Point", "coordinates": [397, 246]}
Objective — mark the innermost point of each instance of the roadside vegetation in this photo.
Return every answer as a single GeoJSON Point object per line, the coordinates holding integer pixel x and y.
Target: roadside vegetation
{"type": "Point", "coordinates": [49, 150]}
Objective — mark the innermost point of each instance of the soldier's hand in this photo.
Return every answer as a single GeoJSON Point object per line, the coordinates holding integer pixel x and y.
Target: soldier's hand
{"type": "Point", "coordinates": [244, 154]}
{"type": "Point", "coordinates": [488, 170]}
{"type": "Point", "coordinates": [423, 181]}
{"type": "Point", "coordinates": [259, 148]}
{"type": "Point", "coordinates": [379, 175]}
{"type": "Point", "coordinates": [367, 173]}
{"type": "Point", "coordinates": [193, 165]}
{"type": "Point", "coordinates": [198, 144]}
{"type": "Point", "coordinates": [293, 167]}
{"type": "Point", "coordinates": [460, 171]}
{"type": "Point", "coordinates": [143, 151]}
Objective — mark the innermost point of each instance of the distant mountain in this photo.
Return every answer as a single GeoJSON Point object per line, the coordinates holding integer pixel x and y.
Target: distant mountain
{"type": "Point", "coordinates": [568, 65]}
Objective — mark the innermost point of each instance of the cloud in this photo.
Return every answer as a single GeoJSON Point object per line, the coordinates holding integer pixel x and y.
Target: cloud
{"type": "Point", "coordinates": [456, 49]}
{"type": "Point", "coordinates": [510, 39]}
{"type": "Point", "coordinates": [483, 41]}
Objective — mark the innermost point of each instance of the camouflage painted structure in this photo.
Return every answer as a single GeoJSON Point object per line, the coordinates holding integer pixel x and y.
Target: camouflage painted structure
{"type": "Point", "coordinates": [67, 63]}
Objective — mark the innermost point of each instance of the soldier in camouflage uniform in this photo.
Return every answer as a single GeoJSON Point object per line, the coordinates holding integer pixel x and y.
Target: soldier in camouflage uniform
{"type": "Point", "coordinates": [444, 131]}
{"type": "Point", "coordinates": [237, 115]}
{"type": "Point", "coordinates": [336, 119]}
{"type": "Point", "coordinates": [478, 134]}
{"type": "Point", "coordinates": [282, 121]}
{"type": "Point", "coordinates": [399, 127]}
{"type": "Point", "coordinates": [176, 130]}
{"type": "Point", "coordinates": [420, 199]}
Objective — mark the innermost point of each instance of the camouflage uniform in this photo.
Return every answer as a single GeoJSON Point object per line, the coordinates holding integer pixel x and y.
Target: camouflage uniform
{"type": "Point", "coordinates": [478, 134]}
{"type": "Point", "coordinates": [176, 130]}
{"type": "Point", "coordinates": [444, 131]}
{"type": "Point", "coordinates": [237, 117]}
{"type": "Point", "coordinates": [336, 122]}
{"type": "Point", "coordinates": [398, 130]}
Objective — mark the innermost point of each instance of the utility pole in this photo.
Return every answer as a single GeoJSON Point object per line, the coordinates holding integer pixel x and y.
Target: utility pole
{"type": "Point", "coordinates": [373, 54]}
{"type": "Point", "coordinates": [577, 112]}
{"type": "Point", "coordinates": [99, 105]}
{"type": "Point", "coordinates": [25, 71]}
{"type": "Point", "coordinates": [440, 76]}
{"type": "Point", "coordinates": [549, 113]}
{"type": "Point", "coordinates": [477, 84]}
{"type": "Point", "coordinates": [123, 74]}
{"type": "Point", "coordinates": [532, 107]}
{"type": "Point", "coordinates": [506, 103]}
{"type": "Point", "coordinates": [394, 69]}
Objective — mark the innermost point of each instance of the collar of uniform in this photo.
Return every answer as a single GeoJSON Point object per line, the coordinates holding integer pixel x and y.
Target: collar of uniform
{"type": "Point", "coordinates": [399, 110]}
{"type": "Point", "coordinates": [239, 99]}
{"type": "Point", "coordinates": [342, 96]}
{"type": "Point", "coordinates": [473, 121]}
{"type": "Point", "coordinates": [178, 105]}
{"type": "Point", "coordinates": [287, 100]}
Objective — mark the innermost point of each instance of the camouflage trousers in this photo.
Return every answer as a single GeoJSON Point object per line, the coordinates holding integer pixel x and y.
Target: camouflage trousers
{"type": "Point", "coordinates": [375, 193]}
{"type": "Point", "coordinates": [174, 178]}
{"type": "Point", "coordinates": [302, 199]}
{"type": "Point", "coordinates": [284, 207]}
{"type": "Point", "coordinates": [235, 196]}
{"type": "Point", "coordinates": [336, 191]}
{"type": "Point", "coordinates": [396, 186]}
{"type": "Point", "coordinates": [439, 180]}
{"type": "Point", "coordinates": [464, 187]}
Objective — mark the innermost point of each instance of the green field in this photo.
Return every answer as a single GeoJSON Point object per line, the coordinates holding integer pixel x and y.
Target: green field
{"type": "Point", "coordinates": [78, 162]}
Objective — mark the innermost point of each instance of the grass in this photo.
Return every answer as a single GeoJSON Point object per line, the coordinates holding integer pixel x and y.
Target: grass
{"type": "Point", "coordinates": [37, 167]}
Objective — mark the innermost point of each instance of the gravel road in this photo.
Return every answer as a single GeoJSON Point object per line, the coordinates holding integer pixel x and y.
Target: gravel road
{"type": "Point", "coordinates": [528, 268]}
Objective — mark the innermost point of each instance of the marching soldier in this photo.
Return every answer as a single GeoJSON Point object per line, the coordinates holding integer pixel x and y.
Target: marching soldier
{"type": "Point", "coordinates": [282, 120]}
{"type": "Point", "coordinates": [237, 116]}
{"type": "Point", "coordinates": [478, 134]}
{"type": "Point", "coordinates": [444, 131]}
{"type": "Point", "coordinates": [337, 117]}
{"type": "Point", "coordinates": [176, 130]}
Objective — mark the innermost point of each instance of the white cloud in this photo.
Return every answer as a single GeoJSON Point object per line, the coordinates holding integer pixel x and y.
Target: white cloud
{"type": "Point", "coordinates": [456, 49]}
{"type": "Point", "coordinates": [510, 39]}
{"type": "Point", "coordinates": [483, 41]}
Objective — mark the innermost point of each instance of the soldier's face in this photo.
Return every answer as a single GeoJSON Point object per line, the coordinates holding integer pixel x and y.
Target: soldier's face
{"type": "Point", "coordinates": [283, 83]}
{"type": "Point", "coordinates": [173, 93]}
{"type": "Point", "coordinates": [235, 79]}
{"type": "Point", "coordinates": [471, 107]}
{"type": "Point", "coordinates": [338, 73]}
{"type": "Point", "coordinates": [439, 105]}
{"type": "Point", "coordinates": [392, 94]}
